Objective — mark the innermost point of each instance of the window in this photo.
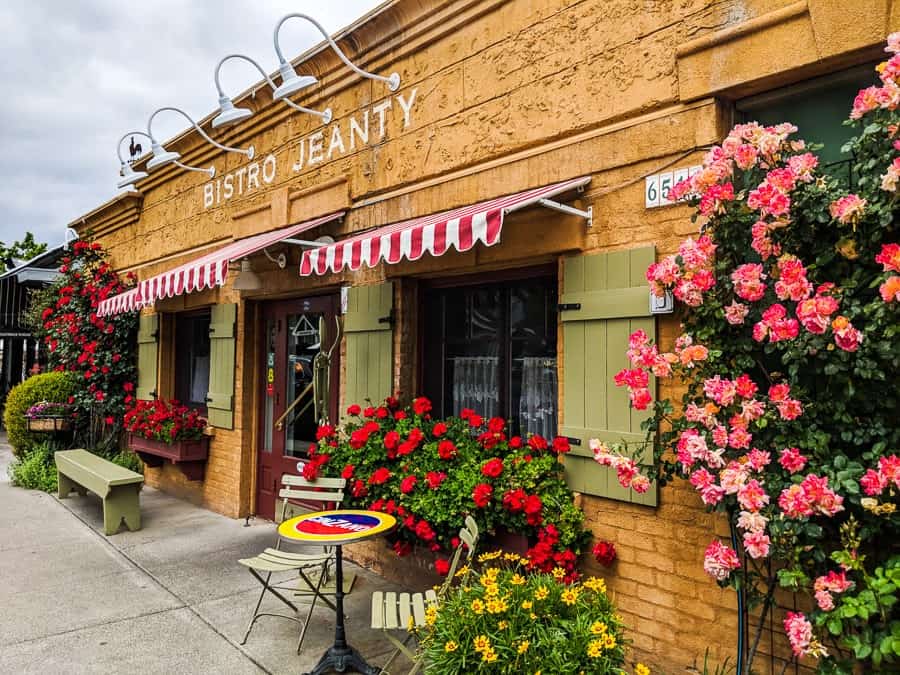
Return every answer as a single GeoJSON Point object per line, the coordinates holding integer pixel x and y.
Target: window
{"type": "Point", "coordinates": [492, 348]}
{"type": "Point", "coordinates": [818, 108]}
{"type": "Point", "coordinates": [192, 359]}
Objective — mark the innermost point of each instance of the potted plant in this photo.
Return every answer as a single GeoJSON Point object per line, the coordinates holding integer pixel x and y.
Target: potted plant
{"type": "Point", "coordinates": [49, 416]}
{"type": "Point", "coordinates": [160, 431]}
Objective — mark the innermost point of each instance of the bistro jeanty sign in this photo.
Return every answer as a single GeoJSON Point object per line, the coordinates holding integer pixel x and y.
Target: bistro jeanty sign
{"type": "Point", "coordinates": [366, 128]}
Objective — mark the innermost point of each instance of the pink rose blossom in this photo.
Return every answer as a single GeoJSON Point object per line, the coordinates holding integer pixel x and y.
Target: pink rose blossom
{"type": "Point", "coordinates": [756, 544]}
{"type": "Point", "coordinates": [791, 460]}
{"type": "Point", "coordinates": [720, 560]}
{"type": "Point", "coordinates": [889, 256]}
{"type": "Point", "coordinates": [800, 635]}
{"type": "Point", "coordinates": [735, 313]}
{"type": "Point", "coordinates": [847, 209]}
{"type": "Point", "coordinates": [748, 281]}
{"type": "Point", "coordinates": [752, 496]}
{"type": "Point", "coordinates": [752, 521]}
{"type": "Point", "coordinates": [846, 336]}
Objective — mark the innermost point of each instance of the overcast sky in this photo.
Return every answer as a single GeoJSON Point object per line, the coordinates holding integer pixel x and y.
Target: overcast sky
{"type": "Point", "coordinates": [76, 75]}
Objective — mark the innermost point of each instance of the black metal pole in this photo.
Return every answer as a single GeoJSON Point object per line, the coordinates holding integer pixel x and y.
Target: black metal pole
{"type": "Point", "coordinates": [340, 638]}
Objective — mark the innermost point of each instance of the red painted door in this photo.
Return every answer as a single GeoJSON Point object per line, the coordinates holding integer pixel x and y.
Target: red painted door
{"type": "Point", "coordinates": [292, 340]}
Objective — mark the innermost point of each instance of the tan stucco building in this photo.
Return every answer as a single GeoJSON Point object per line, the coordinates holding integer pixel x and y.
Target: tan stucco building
{"type": "Point", "coordinates": [608, 101]}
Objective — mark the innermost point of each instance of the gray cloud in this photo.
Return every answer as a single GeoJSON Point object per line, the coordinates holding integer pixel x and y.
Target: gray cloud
{"type": "Point", "coordinates": [79, 74]}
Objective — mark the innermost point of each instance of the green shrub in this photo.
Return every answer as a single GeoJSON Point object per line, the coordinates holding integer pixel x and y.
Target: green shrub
{"type": "Point", "coordinates": [36, 469]}
{"type": "Point", "coordinates": [56, 387]}
{"type": "Point", "coordinates": [127, 459]}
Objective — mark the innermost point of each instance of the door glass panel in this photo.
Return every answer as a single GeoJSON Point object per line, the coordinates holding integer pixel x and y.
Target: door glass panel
{"type": "Point", "coordinates": [302, 346]}
{"type": "Point", "coordinates": [269, 407]}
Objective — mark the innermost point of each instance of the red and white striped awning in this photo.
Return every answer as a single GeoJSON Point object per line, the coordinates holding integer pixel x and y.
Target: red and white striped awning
{"type": "Point", "coordinates": [435, 234]}
{"type": "Point", "coordinates": [208, 271]}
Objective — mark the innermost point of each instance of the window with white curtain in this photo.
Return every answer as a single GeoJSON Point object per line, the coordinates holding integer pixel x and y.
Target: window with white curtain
{"type": "Point", "coordinates": [491, 347]}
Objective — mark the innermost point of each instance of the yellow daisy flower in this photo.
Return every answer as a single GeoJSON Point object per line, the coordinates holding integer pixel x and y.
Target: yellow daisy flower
{"type": "Point", "coordinates": [641, 669]}
{"type": "Point", "coordinates": [595, 649]}
{"type": "Point", "coordinates": [484, 557]}
{"type": "Point", "coordinates": [492, 590]}
{"type": "Point", "coordinates": [598, 628]}
{"type": "Point", "coordinates": [533, 616]}
{"type": "Point", "coordinates": [489, 656]}
{"type": "Point", "coordinates": [558, 573]}
{"type": "Point", "coordinates": [609, 641]}
{"type": "Point", "coordinates": [450, 646]}
{"type": "Point", "coordinates": [596, 584]}
{"type": "Point", "coordinates": [477, 606]}
{"type": "Point", "coordinates": [541, 593]}
{"type": "Point", "coordinates": [569, 596]}
{"type": "Point", "coordinates": [462, 571]}
{"type": "Point", "coordinates": [481, 643]}
{"type": "Point", "coordinates": [496, 606]}
{"type": "Point", "coordinates": [526, 604]}
{"type": "Point", "coordinates": [523, 646]}
{"type": "Point", "coordinates": [431, 615]}
{"type": "Point", "coordinates": [517, 580]}
{"type": "Point", "coordinates": [512, 557]}
{"type": "Point", "coordinates": [503, 625]}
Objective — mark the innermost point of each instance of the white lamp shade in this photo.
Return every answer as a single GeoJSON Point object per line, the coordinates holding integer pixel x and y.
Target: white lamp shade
{"type": "Point", "coordinates": [228, 114]}
{"type": "Point", "coordinates": [291, 83]}
{"type": "Point", "coordinates": [161, 156]}
{"type": "Point", "coordinates": [129, 176]}
{"type": "Point", "coordinates": [247, 280]}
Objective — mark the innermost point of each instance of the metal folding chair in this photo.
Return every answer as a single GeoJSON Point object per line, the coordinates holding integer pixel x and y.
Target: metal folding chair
{"type": "Point", "coordinates": [393, 611]}
{"type": "Point", "coordinates": [325, 492]}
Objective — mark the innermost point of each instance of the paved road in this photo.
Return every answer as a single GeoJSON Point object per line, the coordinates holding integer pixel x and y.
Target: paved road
{"type": "Point", "coordinates": [167, 599]}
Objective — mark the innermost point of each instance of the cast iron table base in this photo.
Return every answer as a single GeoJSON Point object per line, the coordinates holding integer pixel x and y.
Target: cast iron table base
{"type": "Point", "coordinates": [341, 657]}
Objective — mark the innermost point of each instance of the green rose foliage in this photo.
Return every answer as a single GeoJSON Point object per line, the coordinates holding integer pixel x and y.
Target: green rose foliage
{"type": "Point", "coordinates": [431, 473]}
{"type": "Point", "coordinates": [791, 314]}
{"type": "Point", "coordinates": [99, 351]}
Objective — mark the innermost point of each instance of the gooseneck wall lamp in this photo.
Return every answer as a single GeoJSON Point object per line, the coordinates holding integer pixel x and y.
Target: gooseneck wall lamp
{"type": "Point", "coordinates": [128, 176]}
{"type": "Point", "coordinates": [291, 82]}
{"type": "Point", "coordinates": [229, 115]}
{"type": "Point", "coordinates": [161, 156]}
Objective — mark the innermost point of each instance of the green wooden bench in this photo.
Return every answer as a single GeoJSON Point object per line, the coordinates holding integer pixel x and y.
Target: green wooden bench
{"type": "Point", "coordinates": [117, 486]}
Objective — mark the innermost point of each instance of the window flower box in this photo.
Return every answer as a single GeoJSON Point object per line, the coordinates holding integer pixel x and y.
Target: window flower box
{"type": "Point", "coordinates": [49, 417]}
{"type": "Point", "coordinates": [48, 424]}
{"type": "Point", "coordinates": [165, 431]}
{"type": "Point", "coordinates": [188, 455]}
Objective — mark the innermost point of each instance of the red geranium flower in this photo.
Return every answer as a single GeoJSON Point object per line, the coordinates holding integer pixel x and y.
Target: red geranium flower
{"type": "Point", "coordinates": [496, 425]}
{"type": "Point", "coordinates": [561, 445]}
{"type": "Point", "coordinates": [402, 548]}
{"type": "Point", "coordinates": [347, 473]}
{"type": "Point", "coordinates": [359, 489]}
{"type": "Point", "coordinates": [514, 500]}
{"type": "Point", "coordinates": [408, 484]}
{"type": "Point", "coordinates": [424, 531]}
{"type": "Point", "coordinates": [435, 478]}
{"type": "Point", "coordinates": [442, 567]}
{"type": "Point", "coordinates": [354, 410]}
{"type": "Point", "coordinates": [391, 440]}
{"type": "Point", "coordinates": [492, 468]}
{"type": "Point", "coordinates": [466, 413]}
{"type": "Point", "coordinates": [380, 476]}
{"type": "Point", "coordinates": [475, 420]}
{"type": "Point", "coordinates": [324, 431]}
{"type": "Point", "coordinates": [481, 495]}
{"type": "Point", "coordinates": [537, 442]}
{"type": "Point", "coordinates": [421, 406]}
{"type": "Point", "coordinates": [439, 429]}
{"type": "Point", "coordinates": [446, 450]}
{"type": "Point", "coordinates": [605, 553]}
{"type": "Point", "coordinates": [399, 415]}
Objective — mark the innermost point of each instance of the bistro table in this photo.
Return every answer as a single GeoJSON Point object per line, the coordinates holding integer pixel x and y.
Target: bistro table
{"type": "Point", "coordinates": [336, 528]}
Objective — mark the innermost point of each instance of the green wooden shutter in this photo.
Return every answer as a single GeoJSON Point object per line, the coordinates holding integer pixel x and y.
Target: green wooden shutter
{"type": "Point", "coordinates": [148, 353]}
{"type": "Point", "coordinates": [370, 355]}
{"type": "Point", "coordinates": [613, 295]}
{"type": "Point", "coordinates": [220, 399]}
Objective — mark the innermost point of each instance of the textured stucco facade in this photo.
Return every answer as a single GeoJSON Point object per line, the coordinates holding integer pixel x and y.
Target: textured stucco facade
{"type": "Point", "coordinates": [497, 97]}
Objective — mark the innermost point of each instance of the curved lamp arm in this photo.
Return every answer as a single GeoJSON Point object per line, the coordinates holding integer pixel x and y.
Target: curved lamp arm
{"type": "Point", "coordinates": [211, 171]}
{"type": "Point", "coordinates": [249, 152]}
{"type": "Point", "coordinates": [325, 115]}
{"type": "Point", "coordinates": [393, 81]}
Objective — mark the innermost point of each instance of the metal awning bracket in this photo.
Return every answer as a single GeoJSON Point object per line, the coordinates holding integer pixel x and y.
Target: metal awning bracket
{"type": "Point", "coordinates": [570, 210]}
{"type": "Point", "coordinates": [304, 242]}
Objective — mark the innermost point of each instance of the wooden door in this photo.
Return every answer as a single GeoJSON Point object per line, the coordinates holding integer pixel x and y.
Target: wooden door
{"type": "Point", "coordinates": [291, 342]}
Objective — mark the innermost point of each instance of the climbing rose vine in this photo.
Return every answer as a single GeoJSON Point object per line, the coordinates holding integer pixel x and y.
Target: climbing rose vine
{"type": "Point", "coordinates": [790, 424]}
{"type": "Point", "coordinates": [98, 349]}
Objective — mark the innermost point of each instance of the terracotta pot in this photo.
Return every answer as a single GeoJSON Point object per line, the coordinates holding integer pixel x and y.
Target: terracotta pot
{"type": "Point", "coordinates": [189, 456]}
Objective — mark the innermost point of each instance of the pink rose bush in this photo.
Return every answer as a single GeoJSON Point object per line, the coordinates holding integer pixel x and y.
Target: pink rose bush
{"type": "Point", "coordinates": [789, 300]}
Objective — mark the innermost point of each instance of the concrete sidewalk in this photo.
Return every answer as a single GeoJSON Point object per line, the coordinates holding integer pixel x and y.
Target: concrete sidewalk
{"type": "Point", "coordinates": [170, 598]}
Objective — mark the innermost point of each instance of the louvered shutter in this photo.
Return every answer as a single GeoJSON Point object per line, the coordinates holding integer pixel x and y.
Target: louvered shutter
{"type": "Point", "coordinates": [368, 325]}
{"type": "Point", "coordinates": [148, 354]}
{"type": "Point", "coordinates": [612, 296]}
{"type": "Point", "coordinates": [220, 399]}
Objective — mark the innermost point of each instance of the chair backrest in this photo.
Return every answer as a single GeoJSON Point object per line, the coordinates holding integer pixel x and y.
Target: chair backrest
{"type": "Point", "coordinates": [468, 540]}
{"type": "Point", "coordinates": [321, 491]}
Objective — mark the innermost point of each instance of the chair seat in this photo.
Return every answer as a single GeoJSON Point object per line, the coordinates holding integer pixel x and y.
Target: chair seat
{"type": "Point", "coordinates": [273, 560]}
{"type": "Point", "coordinates": [393, 611]}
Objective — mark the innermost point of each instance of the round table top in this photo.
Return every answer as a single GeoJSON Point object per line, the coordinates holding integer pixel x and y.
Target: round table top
{"type": "Point", "coordinates": [337, 527]}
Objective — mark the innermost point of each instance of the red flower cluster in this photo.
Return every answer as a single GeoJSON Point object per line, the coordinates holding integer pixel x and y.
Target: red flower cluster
{"type": "Point", "coordinates": [166, 421]}
{"type": "Point", "coordinates": [605, 553]}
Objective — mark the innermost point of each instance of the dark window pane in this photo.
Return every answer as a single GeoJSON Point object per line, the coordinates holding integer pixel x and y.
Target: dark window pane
{"type": "Point", "coordinates": [492, 348]}
{"type": "Point", "coordinates": [192, 359]}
